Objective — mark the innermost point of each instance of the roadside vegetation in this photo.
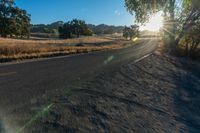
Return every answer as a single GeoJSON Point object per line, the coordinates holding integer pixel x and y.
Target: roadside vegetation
{"type": "Point", "coordinates": [45, 30]}
{"type": "Point", "coordinates": [14, 22]}
{"type": "Point", "coordinates": [181, 33]}
{"type": "Point", "coordinates": [29, 49]}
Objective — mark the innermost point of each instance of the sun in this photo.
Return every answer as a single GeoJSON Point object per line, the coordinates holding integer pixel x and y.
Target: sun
{"type": "Point", "coordinates": [155, 23]}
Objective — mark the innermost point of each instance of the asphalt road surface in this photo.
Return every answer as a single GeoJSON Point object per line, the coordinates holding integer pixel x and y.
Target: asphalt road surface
{"type": "Point", "coordinates": [23, 84]}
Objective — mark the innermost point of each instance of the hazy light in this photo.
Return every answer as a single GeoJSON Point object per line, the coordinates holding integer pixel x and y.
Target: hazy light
{"type": "Point", "coordinates": [135, 39]}
{"type": "Point", "coordinates": [154, 24]}
{"type": "Point", "coordinates": [36, 117]}
{"type": "Point", "coordinates": [109, 59]}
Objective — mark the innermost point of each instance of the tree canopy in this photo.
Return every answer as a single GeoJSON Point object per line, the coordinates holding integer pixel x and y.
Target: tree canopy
{"type": "Point", "coordinates": [130, 32]}
{"type": "Point", "coordinates": [179, 16]}
{"type": "Point", "coordinates": [74, 28]}
{"type": "Point", "coordinates": [13, 20]}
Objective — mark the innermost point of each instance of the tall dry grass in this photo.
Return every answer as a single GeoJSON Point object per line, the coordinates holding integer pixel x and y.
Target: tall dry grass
{"type": "Point", "coordinates": [53, 41]}
{"type": "Point", "coordinates": [15, 49]}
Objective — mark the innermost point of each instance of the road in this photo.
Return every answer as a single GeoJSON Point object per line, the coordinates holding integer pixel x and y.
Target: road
{"type": "Point", "coordinates": [24, 84]}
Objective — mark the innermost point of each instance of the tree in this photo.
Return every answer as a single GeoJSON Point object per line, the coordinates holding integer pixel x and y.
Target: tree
{"type": "Point", "coordinates": [65, 31]}
{"type": "Point", "coordinates": [13, 20]}
{"type": "Point", "coordinates": [191, 40]}
{"type": "Point", "coordinates": [87, 31]}
{"type": "Point", "coordinates": [174, 28]}
{"type": "Point", "coordinates": [126, 32]}
{"type": "Point", "coordinates": [130, 32]}
{"type": "Point", "coordinates": [24, 23]}
{"type": "Point", "coordinates": [5, 9]}
{"type": "Point", "coordinates": [77, 27]}
{"type": "Point", "coordinates": [74, 28]}
{"type": "Point", "coordinates": [189, 17]}
{"type": "Point", "coordinates": [134, 30]}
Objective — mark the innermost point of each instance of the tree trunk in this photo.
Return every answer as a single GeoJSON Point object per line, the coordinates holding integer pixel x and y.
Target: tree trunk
{"type": "Point", "coordinates": [186, 26]}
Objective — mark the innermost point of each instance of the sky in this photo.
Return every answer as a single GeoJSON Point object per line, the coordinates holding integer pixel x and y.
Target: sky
{"type": "Point", "coordinates": [111, 12]}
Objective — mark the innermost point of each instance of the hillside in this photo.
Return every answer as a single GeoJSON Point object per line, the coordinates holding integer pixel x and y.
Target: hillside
{"type": "Point", "coordinates": [97, 29]}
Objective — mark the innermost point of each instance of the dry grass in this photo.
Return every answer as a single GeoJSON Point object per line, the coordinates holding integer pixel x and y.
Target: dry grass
{"type": "Point", "coordinates": [14, 49]}
{"type": "Point", "coordinates": [54, 41]}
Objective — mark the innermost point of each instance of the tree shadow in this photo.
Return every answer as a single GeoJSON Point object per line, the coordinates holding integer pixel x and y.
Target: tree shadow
{"type": "Point", "coordinates": [187, 94]}
{"type": "Point", "coordinates": [2, 129]}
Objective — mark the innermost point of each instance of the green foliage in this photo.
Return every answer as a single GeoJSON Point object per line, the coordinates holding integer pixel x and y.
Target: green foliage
{"type": "Point", "coordinates": [142, 9]}
{"type": "Point", "coordinates": [65, 31]}
{"type": "Point", "coordinates": [93, 29]}
{"type": "Point", "coordinates": [87, 32]}
{"type": "Point", "coordinates": [13, 20]}
{"type": "Point", "coordinates": [179, 17]}
{"type": "Point", "coordinates": [74, 28]}
{"type": "Point", "coordinates": [191, 40]}
{"type": "Point", "coordinates": [126, 32]}
{"type": "Point", "coordinates": [130, 32]}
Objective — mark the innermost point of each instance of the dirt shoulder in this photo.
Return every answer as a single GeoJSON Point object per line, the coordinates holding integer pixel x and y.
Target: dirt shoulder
{"type": "Point", "coordinates": [157, 94]}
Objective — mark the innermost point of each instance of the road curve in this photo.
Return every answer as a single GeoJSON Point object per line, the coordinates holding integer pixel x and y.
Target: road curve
{"type": "Point", "coordinates": [22, 84]}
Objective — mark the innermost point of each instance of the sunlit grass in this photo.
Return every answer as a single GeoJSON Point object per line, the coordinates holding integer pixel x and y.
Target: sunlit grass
{"type": "Point", "coordinates": [27, 49]}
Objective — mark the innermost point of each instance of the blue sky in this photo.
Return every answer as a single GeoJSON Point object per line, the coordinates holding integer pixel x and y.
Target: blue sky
{"type": "Point", "coordinates": [110, 12]}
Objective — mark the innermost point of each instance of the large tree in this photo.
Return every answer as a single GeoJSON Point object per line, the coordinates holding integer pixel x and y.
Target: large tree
{"type": "Point", "coordinates": [74, 28]}
{"type": "Point", "coordinates": [190, 33]}
{"type": "Point", "coordinates": [130, 32]}
{"type": "Point", "coordinates": [13, 20]}
{"type": "Point", "coordinates": [65, 31]}
{"type": "Point", "coordinates": [174, 27]}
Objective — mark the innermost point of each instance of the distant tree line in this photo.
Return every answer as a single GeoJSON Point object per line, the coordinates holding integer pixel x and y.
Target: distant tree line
{"type": "Point", "coordinates": [46, 28]}
{"type": "Point", "coordinates": [97, 29]}
{"type": "Point", "coordinates": [14, 22]}
{"type": "Point", "coordinates": [130, 32]}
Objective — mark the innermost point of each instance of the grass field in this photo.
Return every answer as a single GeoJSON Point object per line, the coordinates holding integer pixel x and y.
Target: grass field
{"type": "Point", "coordinates": [16, 49]}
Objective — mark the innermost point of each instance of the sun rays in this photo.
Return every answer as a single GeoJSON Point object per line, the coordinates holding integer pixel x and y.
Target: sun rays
{"type": "Point", "coordinates": [155, 23]}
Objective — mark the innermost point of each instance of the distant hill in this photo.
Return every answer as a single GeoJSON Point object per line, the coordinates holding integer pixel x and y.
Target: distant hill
{"type": "Point", "coordinates": [48, 28]}
{"type": "Point", "coordinates": [97, 29]}
{"type": "Point", "coordinates": [106, 29]}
